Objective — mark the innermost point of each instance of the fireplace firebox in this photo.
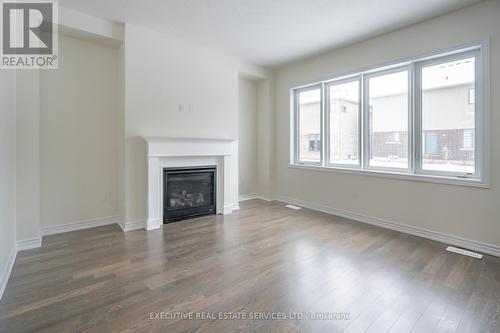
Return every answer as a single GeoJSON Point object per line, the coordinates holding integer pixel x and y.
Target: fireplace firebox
{"type": "Point", "coordinates": [188, 192]}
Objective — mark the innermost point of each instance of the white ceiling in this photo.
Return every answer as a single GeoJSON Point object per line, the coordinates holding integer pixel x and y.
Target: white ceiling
{"type": "Point", "coordinates": [269, 32]}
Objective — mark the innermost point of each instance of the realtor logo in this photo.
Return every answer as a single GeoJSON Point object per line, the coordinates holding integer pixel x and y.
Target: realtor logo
{"type": "Point", "coordinates": [29, 34]}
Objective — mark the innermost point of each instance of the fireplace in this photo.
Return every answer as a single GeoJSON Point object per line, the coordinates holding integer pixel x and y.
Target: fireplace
{"type": "Point", "coordinates": [188, 192]}
{"type": "Point", "coordinates": [162, 153]}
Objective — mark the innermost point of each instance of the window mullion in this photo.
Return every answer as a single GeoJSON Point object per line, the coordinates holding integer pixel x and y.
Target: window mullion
{"type": "Point", "coordinates": [365, 115]}
{"type": "Point", "coordinates": [360, 124]}
{"type": "Point", "coordinates": [479, 129]}
{"type": "Point", "coordinates": [417, 116]}
{"type": "Point", "coordinates": [296, 128]}
{"type": "Point", "coordinates": [325, 152]}
{"type": "Point", "coordinates": [412, 133]}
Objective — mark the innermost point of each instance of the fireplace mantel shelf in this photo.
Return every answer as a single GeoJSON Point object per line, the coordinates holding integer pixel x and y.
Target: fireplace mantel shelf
{"type": "Point", "coordinates": [165, 146]}
{"type": "Point", "coordinates": [172, 139]}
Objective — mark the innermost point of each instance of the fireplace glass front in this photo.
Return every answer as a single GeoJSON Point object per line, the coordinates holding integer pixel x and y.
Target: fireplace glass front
{"type": "Point", "coordinates": [188, 192]}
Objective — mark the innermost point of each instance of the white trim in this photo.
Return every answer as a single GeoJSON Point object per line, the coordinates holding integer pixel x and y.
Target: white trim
{"type": "Point", "coordinates": [485, 112]}
{"type": "Point", "coordinates": [367, 120]}
{"type": "Point", "coordinates": [478, 118]}
{"type": "Point", "coordinates": [235, 205]}
{"type": "Point", "coordinates": [5, 274]}
{"type": "Point", "coordinates": [188, 152]}
{"type": "Point", "coordinates": [151, 224]}
{"type": "Point", "coordinates": [28, 244]}
{"type": "Point", "coordinates": [121, 223]}
{"type": "Point", "coordinates": [265, 198]}
{"type": "Point", "coordinates": [481, 178]}
{"type": "Point", "coordinates": [255, 196]}
{"type": "Point", "coordinates": [131, 226]}
{"type": "Point", "coordinates": [469, 244]}
{"type": "Point", "coordinates": [359, 79]}
{"type": "Point", "coordinates": [470, 182]}
{"type": "Point", "coordinates": [296, 124]}
{"type": "Point", "coordinates": [464, 252]}
{"type": "Point", "coordinates": [74, 226]}
{"type": "Point", "coordinates": [245, 197]}
{"type": "Point", "coordinates": [227, 209]}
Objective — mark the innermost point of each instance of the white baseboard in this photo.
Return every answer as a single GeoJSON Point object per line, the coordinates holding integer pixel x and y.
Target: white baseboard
{"type": "Point", "coordinates": [235, 206]}
{"type": "Point", "coordinates": [252, 196]}
{"type": "Point", "coordinates": [151, 224]}
{"type": "Point", "coordinates": [228, 209]}
{"type": "Point", "coordinates": [74, 226]}
{"type": "Point", "coordinates": [265, 198]}
{"type": "Point", "coordinates": [131, 225]}
{"type": "Point", "coordinates": [245, 197]}
{"type": "Point", "coordinates": [5, 273]}
{"type": "Point", "coordinates": [421, 232]}
{"type": "Point", "coordinates": [28, 244]}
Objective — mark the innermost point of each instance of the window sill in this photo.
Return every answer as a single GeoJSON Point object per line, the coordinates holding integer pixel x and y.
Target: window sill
{"type": "Point", "coordinates": [396, 175]}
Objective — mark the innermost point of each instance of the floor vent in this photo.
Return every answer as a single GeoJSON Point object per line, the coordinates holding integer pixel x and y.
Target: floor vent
{"type": "Point", "coordinates": [293, 207]}
{"type": "Point", "coordinates": [464, 252]}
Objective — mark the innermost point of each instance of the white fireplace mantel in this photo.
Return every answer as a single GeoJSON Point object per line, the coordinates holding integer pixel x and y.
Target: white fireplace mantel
{"type": "Point", "coordinates": [191, 152]}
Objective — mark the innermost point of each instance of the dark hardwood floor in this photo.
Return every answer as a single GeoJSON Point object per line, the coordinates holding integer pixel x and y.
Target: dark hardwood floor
{"type": "Point", "coordinates": [264, 260]}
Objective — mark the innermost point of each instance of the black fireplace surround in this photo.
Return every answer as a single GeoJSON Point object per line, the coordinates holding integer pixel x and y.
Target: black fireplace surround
{"type": "Point", "coordinates": [188, 192]}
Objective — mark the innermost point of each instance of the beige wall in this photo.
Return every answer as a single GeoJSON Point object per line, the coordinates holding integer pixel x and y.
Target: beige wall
{"type": "Point", "coordinates": [247, 136]}
{"type": "Point", "coordinates": [460, 211]}
{"type": "Point", "coordinates": [265, 137]}
{"type": "Point", "coordinates": [7, 172]}
{"type": "Point", "coordinates": [28, 154]}
{"type": "Point", "coordinates": [121, 133]}
{"type": "Point", "coordinates": [79, 134]}
{"type": "Point", "coordinates": [162, 72]}
{"type": "Point", "coordinates": [79, 151]}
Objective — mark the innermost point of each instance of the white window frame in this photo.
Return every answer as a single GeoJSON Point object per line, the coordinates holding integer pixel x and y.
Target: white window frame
{"type": "Point", "coordinates": [296, 125]}
{"type": "Point", "coordinates": [366, 118]}
{"type": "Point", "coordinates": [419, 111]}
{"type": "Point", "coordinates": [472, 100]}
{"type": "Point", "coordinates": [415, 150]}
{"type": "Point", "coordinates": [356, 78]}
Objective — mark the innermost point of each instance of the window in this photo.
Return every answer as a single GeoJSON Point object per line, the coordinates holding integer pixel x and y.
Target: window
{"type": "Point", "coordinates": [468, 139]}
{"type": "Point", "coordinates": [314, 142]}
{"type": "Point", "coordinates": [445, 107]}
{"type": "Point", "coordinates": [472, 96]}
{"type": "Point", "coordinates": [309, 125]}
{"type": "Point", "coordinates": [431, 143]}
{"type": "Point", "coordinates": [343, 118]}
{"type": "Point", "coordinates": [422, 119]}
{"type": "Point", "coordinates": [392, 137]}
{"type": "Point", "coordinates": [388, 101]}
